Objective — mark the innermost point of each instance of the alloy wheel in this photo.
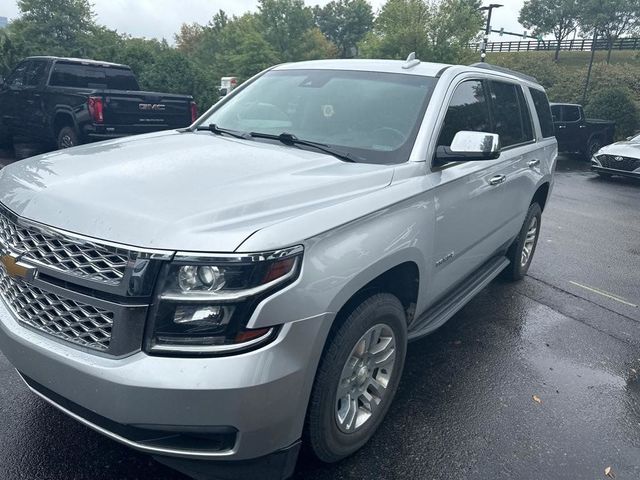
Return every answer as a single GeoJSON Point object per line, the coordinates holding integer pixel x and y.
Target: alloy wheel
{"type": "Point", "coordinates": [529, 241]}
{"type": "Point", "coordinates": [365, 378]}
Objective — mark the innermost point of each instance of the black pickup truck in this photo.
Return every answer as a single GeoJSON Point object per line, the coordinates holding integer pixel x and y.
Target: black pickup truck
{"type": "Point", "coordinates": [578, 134]}
{"type": "Point", "coordinates": [66, 102]}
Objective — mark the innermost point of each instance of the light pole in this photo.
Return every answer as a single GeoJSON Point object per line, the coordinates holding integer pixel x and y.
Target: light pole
{"type": "Point", "coordinates": [487, 31]}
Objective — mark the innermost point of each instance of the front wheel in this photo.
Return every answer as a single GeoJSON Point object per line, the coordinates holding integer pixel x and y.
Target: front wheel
{"type": "Point", "coordinates": [67, 138]}
{"type": "Point", "coordinates": [357, 378]}
{"type": "Point", "coordinates": [522, 249]}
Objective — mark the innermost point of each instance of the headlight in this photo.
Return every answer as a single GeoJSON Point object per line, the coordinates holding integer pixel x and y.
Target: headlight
{"type": "Point", "coordinates": [204, 302]}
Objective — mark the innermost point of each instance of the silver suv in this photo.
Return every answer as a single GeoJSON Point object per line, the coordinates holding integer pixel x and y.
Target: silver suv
{"type": "Point", "coordinates": [220, 295]}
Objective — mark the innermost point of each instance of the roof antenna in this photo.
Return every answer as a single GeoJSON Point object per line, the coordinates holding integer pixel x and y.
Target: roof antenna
{"type": "Point", "coordinates": [411, 61]}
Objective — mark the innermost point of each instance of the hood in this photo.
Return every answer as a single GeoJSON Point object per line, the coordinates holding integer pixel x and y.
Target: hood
{"type": "Point", "coordinates": [180, 191]}
{"type": "Point", "coordinates": [623, 149]}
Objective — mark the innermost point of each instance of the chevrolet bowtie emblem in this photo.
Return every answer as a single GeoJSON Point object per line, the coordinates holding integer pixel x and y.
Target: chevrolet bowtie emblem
{"type": "Point", "coordinates": [16, 269]}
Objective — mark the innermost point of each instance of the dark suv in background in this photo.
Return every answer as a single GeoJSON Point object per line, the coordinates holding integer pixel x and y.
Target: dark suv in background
{"type": "Point", "coordinates": [66, 102]}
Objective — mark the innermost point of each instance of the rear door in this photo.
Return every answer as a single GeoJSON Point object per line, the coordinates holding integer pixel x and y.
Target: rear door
{"type": "Point", "coordinates": [32, 115]}
{"type": "Point", "coordinates": [520, 155]}
{"type": "Point", "coordinates": [569, 129]}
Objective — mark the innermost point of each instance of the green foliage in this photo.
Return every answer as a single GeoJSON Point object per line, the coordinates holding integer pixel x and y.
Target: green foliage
{"type": "Point", "coordinates": [53, 27]}
{"type": "Point", "coordinates": [436, 31]}
{"type": "Point", "coordinates": [284, 24]}
{"type": "Point", "coordinates": [609, 18]}
{"type": "Point", "coordinates": [551, 16]}
{"type": "Point", "coordinates": [345, 23]}
{"type": "Point", "coordinates": [615, 103]}
{"type": "Point", "coordinates": [9, 54]}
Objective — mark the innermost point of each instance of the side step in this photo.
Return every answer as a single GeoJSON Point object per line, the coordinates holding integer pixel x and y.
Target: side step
{"type": "Point", "coordinates": [446, 308]}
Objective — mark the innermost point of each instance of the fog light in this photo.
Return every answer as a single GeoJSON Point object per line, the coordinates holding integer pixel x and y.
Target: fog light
{"type": "Point", "coordinates": [210, 315]}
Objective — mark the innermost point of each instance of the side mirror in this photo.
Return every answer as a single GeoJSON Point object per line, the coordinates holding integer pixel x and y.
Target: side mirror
{"type": "Point", "coordinates": [222, 91]}
{"type": "Point", "coordinates": [469, 147]}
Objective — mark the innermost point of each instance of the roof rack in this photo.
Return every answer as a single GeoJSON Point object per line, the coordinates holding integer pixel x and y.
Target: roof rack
{"type": "Point", "coordinates": [495, 68]}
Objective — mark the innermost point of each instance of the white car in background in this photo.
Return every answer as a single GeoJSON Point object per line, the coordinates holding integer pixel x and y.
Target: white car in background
{"type": "Point", "coordinates": [620, 158]}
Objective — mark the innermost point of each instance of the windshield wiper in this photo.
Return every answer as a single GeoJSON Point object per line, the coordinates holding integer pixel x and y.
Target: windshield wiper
{"type": "Point", "coordinates": [213, 128]}
{"type": "Point", "coordinates": [290, 139]}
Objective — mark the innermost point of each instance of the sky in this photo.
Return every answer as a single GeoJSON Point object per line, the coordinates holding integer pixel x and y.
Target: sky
{"type": "Point", "coordinates": [162, 18]}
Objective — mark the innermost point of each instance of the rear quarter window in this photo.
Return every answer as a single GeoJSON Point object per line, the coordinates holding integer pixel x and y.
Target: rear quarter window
{"type": "Point", "coordinates": [543, 111]}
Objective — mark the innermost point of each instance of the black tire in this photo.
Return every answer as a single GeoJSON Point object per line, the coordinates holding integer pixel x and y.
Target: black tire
{"type": "Point", "coordinates": [67, 138]}
{"type": "Point", "coordinates": [517, 269]}
{"type": "Point", "coordinates": [327, 441]}
{"type": "Point", "coordinates": [592, 147]}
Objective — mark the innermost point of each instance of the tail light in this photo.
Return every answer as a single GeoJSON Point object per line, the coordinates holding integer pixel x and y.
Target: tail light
{"type": "Point", "coordinates": [96, 109]}
{"type": "Point", "coordinates": [194, 112]}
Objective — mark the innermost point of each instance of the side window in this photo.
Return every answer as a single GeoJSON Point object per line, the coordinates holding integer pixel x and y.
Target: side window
{"type": "Point", "coordinates": [17, 77]}
{"type": "Point", "coordinates": [555, 111]}
{"type": "Point", "coordinates": [507, 115]}
{"type": "Point", "coordinates": [468, 110]}
{"type": "Point", "coordinates": [35, 72]}
{"type": "Point", "coordinates": [525, 115]}
{"type": "Point", "coordinates": [543, 111]}
{"type": "Point", "coordinates": [571, 113]}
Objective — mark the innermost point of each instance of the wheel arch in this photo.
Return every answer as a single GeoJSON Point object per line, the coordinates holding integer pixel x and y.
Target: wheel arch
{"type": "Point", "coordinates": [541, 195]}
{"type": "Point", "coordinates": [61, 119]}
{"type": "Point", "coordinates": [401, 279]}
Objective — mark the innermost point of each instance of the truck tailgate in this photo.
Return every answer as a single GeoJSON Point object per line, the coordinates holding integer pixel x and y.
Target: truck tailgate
{"type": "Point", "coordinates": [146, 108]}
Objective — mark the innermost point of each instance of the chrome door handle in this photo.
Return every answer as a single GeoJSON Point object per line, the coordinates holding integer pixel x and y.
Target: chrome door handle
{"type": "Point", "coordinates": [562, 126]}
{"type": "Point", "coordinates": [497, 180]}
{"type": "Point", "coordinates": [583, 126]}
{"type": "Point", "coordinates": [533, 163]}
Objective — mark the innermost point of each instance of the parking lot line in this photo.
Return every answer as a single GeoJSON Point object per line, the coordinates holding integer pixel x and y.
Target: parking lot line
{"type": "Point", "coordinates": [604, 294]}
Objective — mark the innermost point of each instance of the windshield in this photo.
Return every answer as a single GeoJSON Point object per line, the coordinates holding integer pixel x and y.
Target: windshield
{"type": "Point", "coordinates": [372, 115]}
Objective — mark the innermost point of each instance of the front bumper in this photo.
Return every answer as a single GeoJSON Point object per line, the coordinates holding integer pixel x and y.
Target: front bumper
{"type": "Point", "coordinates": [613, 171]}
{"type": "Point", "coordinates": [259, 397]}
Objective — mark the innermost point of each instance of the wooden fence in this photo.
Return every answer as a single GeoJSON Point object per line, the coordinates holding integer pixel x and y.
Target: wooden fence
{"type": "Point", "coordinates": [551, 45]}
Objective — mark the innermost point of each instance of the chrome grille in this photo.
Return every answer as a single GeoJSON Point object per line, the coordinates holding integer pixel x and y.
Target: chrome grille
{"type": "Point", "coordinates": [61, 317]}
{"type": "Point", "coordinates": [74, 256]}
{"type": "Point", "coordinates": [619, 163]}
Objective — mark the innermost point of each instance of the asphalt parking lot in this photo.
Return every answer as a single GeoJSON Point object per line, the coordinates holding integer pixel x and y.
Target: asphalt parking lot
{"type": "Point", "coordinates": [534, 380]}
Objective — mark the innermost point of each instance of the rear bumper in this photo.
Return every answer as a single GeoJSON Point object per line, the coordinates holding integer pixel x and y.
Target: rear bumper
{"type": "Point", "coordinates": [234, 408]}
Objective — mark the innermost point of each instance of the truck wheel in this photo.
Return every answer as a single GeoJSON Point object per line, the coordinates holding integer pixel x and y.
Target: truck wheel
{"type": "Point", "coordinates": [67, 138]}
{"type": "Point", "coordinates": [592, 147]}
{"type": "Point", "coordinates": [521, 251]}
{"type": "Point", "coordinates": [357, 378]}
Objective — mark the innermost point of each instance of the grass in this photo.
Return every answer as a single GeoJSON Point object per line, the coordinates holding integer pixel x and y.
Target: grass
{"type": "Point", "coordinates": [569, 59]}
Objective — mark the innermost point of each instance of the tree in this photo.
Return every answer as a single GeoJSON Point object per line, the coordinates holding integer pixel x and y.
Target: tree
{"type": "Point", "coordinates": [345, 23]}
{"type": "Point", "coordinates": [53, 27]}
{"type": "Point", "coordinates": [609, 18]}
{"type": "Point", "coordinates": [9, 55]}
{"type": "Point", "coordinates": [615, 104]}
{"type": "Point", "coordinates": [284, 24]}
{"type": "Point", "coordinates": [436, 31]}
{"type": "Point", "coordinates": [551, 16]}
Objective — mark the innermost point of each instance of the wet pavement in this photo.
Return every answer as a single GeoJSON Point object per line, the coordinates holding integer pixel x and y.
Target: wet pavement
{"type": "Point", "coordinates": [533, 380]}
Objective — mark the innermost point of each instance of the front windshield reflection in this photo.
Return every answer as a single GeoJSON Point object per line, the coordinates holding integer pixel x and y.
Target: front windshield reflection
{"type": "Point", "coordinates": [369, 114]}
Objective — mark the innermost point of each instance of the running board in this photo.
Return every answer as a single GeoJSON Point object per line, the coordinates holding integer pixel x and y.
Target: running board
{"type": "Point", "coordinates": [446, 308]}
